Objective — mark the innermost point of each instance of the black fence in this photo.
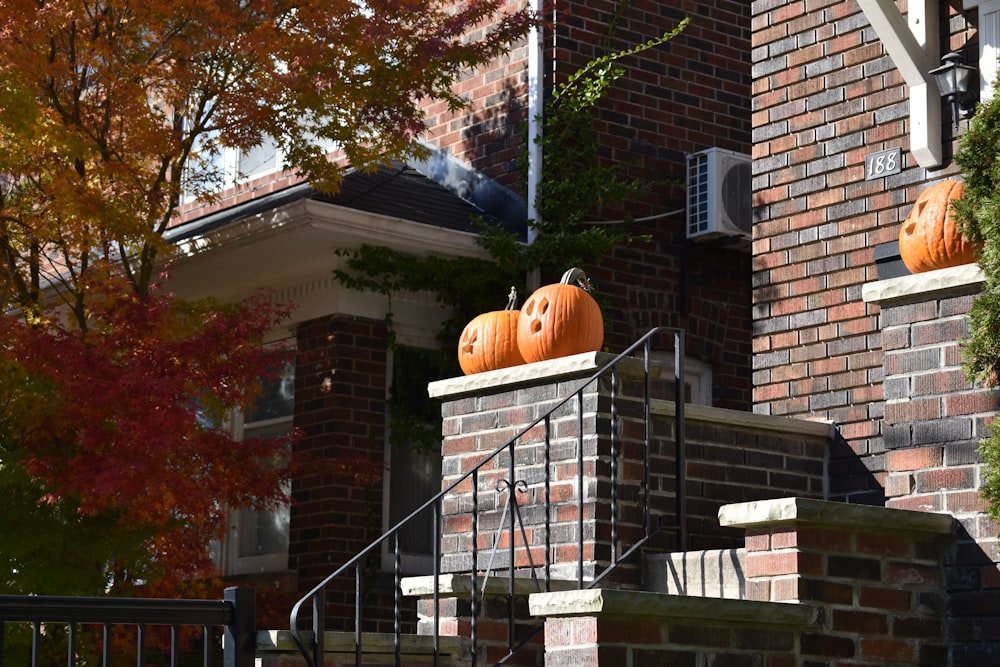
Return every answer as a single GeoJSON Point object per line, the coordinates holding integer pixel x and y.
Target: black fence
{"type": "Point", "coordinates": [43, 630]}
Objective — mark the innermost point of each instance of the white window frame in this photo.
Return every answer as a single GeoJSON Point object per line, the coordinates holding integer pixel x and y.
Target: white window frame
{"type": "Point", "coordinates": [229, 560]}
{"type": "Point", "coordinates": [697, 376]}
{"type": "Point", "coordinates": [989, 44]}
{"type": "Point", "coordinates": [229, 162]}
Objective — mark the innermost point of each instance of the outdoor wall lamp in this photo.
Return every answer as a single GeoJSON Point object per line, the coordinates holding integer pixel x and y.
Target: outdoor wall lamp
{"type": "Point", "coordinates": [955, 80]}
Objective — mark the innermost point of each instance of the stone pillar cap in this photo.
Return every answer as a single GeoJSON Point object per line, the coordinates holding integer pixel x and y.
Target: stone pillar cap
{"type": "Point", "coordinates": [832, 514]}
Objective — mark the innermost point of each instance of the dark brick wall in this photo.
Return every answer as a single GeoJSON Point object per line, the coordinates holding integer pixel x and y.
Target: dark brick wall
{"type": "Point", "coordinates": [340, 413]}
{"type": "Point", "coordinates": [825, 94]}
{"type": "Point", "coordinates": [690, 94]}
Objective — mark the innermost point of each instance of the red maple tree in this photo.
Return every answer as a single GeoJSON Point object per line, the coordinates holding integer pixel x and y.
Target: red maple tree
{"type": "Point", "coordinates": [111, 388]}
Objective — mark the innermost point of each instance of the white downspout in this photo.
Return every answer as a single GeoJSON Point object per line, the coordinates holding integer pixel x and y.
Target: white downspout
{"type": "Point", "coordinates": [535, 93]}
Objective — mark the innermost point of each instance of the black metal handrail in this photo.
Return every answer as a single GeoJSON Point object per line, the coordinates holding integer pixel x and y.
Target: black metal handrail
{"type": "Point", "coordinates": [234, 614]}
{"type": "Point", "coordinates": [312, 648]}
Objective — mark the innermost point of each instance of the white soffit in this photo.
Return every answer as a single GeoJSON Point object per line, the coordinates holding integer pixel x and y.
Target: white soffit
{"type": "Point", "coordinates": [912, 43]}
{"type": "Point", "coordinates": [292, 249]}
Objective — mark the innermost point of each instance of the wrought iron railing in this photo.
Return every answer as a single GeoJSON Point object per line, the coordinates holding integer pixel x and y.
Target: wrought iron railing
{"type": "Point", "coordinates": [311, 644]}
{"type": "Point", "coordinates": [230, 620]}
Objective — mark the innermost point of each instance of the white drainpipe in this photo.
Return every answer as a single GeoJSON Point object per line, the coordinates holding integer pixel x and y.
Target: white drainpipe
{"type": "Point", "coordinates": [535, 92]}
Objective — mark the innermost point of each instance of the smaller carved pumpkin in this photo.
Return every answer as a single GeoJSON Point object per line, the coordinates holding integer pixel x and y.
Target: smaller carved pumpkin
{"type": "Point", "coordinates": [930, 238]}
{"type": "Point", "coordinates": [560, 320]}
{"type": "Point", "coordinates": [489, 341]}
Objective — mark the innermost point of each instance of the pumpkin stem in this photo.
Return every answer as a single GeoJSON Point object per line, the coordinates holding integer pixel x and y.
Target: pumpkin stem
{"type": "Point", "coordinates": [576, 276]}
{"type": "Point", "coordinates": [512, 299]}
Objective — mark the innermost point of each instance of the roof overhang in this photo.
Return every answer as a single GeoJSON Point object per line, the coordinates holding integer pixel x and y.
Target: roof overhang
{"type": "Point", "coordinates": [291, 248]}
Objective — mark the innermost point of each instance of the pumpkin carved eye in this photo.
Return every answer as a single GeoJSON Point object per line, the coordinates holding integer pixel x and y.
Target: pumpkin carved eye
{"type": "Point", "coordinates": [543, 307]}
{"type": "Point", "coordinates": [470, 343]}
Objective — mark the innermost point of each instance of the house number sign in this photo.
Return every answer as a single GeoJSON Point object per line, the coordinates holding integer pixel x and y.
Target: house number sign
{"type": "Point", "coordinates": [883, 163]}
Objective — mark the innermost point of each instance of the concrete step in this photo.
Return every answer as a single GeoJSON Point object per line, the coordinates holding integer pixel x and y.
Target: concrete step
{"type": "Point", "coordinates": [276, 648]}
{"type": "Point", "coordinates": [715, 573]}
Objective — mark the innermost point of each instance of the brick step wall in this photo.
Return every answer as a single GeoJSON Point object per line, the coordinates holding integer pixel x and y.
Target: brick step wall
{"type": "Point", "coordinates": [828, 584]}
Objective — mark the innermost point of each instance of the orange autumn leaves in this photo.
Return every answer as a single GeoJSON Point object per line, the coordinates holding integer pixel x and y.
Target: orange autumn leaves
{"type": "Point", "coordinates": [110, 111]}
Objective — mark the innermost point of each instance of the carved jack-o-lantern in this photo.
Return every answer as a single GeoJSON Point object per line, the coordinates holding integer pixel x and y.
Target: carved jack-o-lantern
{"type": "Point", "coordinates": [560, 320]}
{"type": "Point", "coordinates": [930, 238]}
{"type": "Point", "coordinates": [489, 341]}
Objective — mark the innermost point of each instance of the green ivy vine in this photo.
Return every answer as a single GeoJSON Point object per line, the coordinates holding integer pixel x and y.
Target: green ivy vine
{"type": "Point", "coordinates": [978, 212]}
{"type": "Point", "coordinates": [576, 182]}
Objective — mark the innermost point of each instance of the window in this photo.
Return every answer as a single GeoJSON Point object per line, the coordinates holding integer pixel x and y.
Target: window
{"type": "Point", "coordinates": [258, 540]}
{"type": "Point", "coordinates": [989, 45]}
{"type": "Point", "coordinates": [258, 160]}
{"type": "Point", "coordinates": [413, 453]}
{"type": "Point", "coordinates": [697, 377]}
{"type": "Point", "coordinates": [213, 168]}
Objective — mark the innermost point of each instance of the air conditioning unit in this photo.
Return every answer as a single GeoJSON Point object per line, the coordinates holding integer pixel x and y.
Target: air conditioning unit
{"type": "Point", "coordinates": [718, 195]}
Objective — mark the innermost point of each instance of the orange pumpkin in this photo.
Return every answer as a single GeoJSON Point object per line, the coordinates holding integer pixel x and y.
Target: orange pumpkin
{"type": "Point", "coordinates": [930, 238]}
{"type": "Point", "coordinates": [560, 320]}
{"type": "Point", "coordinates": [489, 341]}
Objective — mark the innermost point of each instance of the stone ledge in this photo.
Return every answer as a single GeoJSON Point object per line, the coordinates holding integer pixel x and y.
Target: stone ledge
{"type": "Point", "coordinates": [460, 585]}
{"type": "Point", "coordinates": [739, 419]}
{"type": "Point", "coordinates": [618, 604]}
{"type": "Point", "coordinates": [833, 515]}
{"type": "Point", "coordinates": [965, 279]}
{"type": "Point", "coordinates": [574, 366]}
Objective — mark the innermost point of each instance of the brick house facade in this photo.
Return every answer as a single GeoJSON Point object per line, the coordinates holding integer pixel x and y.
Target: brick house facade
{"type": "Point", "coordinates": [688, 95]}
{"type": "Point", "coordinates": [835, 338]}
{"type": "Point", "coordinates": [805, 327]}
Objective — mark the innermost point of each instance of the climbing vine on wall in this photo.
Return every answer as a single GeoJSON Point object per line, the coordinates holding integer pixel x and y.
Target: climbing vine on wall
{"type": "Point", "coordinates": [978, 211]}
{"type": "Point", "coordinates": [575, 183]}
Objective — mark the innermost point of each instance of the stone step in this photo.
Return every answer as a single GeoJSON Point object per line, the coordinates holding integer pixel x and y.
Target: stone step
{"type": "Point", "coordinates": [715, 573]}
{"type": "Point", "coordinates": [276, 648]}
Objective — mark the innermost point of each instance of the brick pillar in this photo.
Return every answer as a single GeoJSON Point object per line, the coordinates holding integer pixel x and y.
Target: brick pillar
{"type": "Point", "coordinates": [479, 417]}
{"type": "Point", "coordinates": [878, 573]}
{"type": "Point", "coordinates": [934, 419]}
{"type": "Point", "coordinates": [339, 410]}
{"type": "Point", "coordinates": [731, 457]}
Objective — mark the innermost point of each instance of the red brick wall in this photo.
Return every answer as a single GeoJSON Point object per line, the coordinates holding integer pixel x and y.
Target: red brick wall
{"type": "Point", "coordinates": [882, 590]}
{"type": "Point", "coordinates": [726, 462]}
{"type": "Point", "coordinates": [826, 585]}
{"type": "Point", "coordinates": [687, 95]}
{"type": "Point", "coordinates": [825, 95]}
